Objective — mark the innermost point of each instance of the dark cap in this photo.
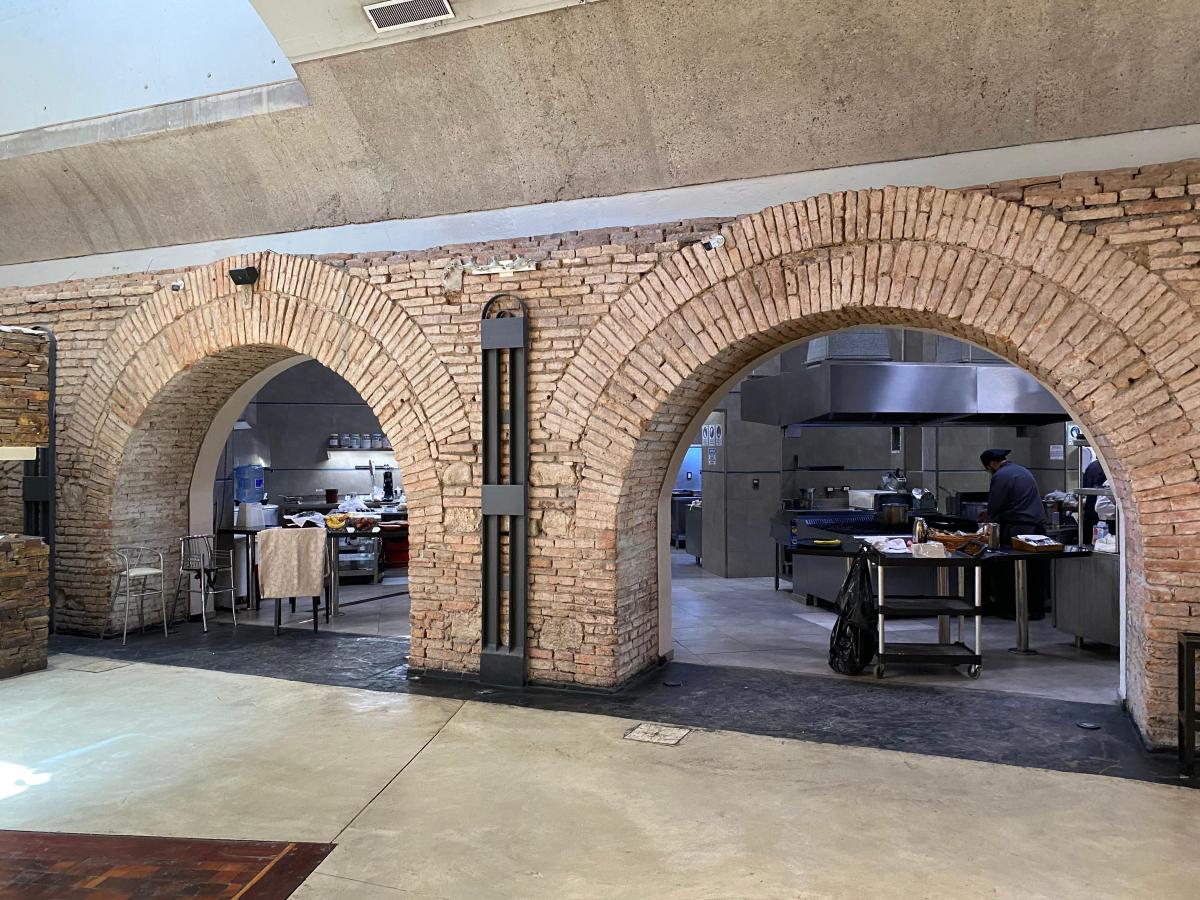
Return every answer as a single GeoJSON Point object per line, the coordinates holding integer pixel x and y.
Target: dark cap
{"type": "Point", "coordinates": [993, 455]}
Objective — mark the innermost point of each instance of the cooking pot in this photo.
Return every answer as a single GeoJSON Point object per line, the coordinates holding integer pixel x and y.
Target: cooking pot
{"type": "Point", "coordinates": [892, 514]}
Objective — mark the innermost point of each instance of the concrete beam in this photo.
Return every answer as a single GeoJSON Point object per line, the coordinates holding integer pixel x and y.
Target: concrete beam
{"type": "Point", "coordinates": [603, 99]}
{"type": "Point", "coordinates": [727, 198]}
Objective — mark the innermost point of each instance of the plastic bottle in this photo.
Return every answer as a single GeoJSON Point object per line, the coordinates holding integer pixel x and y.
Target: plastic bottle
{"type": "Point", "coordinates": [249, 484]}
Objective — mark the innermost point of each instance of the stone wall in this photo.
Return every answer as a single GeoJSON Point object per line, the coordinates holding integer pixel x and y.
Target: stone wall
{"type": "Point", "coordinates": [24, 604]}
{"type": "Point", "coordinates": [24, 389]}
{"type": "Point", "coordinates": [24, 412]}
{"type": "Point", "coordinates": [632, 330]}
{"type": "Point", "coordinates": [12, 508]}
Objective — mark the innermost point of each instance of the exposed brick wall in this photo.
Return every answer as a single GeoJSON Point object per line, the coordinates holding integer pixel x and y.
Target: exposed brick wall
{"type": "Point", "coordinates": [24, 389]}
{"type": "Point", "coordinates": [155, 471]}
{"type": "Point", "coordinates": [1107, 335]}
{"type": "Point", "coordinates": [631, 332]}
{"type": "Point", "coordinates": [24, 604]}
{"type": "Point", "coordinates": [1150, 212]}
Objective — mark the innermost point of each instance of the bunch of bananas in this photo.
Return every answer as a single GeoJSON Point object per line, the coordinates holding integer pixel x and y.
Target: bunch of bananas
{"type": "Point", "coordinates": [336, 521]}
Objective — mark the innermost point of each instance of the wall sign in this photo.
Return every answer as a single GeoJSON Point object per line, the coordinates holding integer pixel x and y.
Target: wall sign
{"type": "Point", "coordinates": [712, 456]}
{"type": "Point", "coordinates": [1056, 452]}
{"type": "Point", "coordinates": [711, 436]}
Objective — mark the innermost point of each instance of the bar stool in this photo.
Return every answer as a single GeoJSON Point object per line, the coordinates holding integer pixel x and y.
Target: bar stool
{"type": "Point", "coordinates": [199, 561]}
{"type": "Point", "coordinates": [137, 564]}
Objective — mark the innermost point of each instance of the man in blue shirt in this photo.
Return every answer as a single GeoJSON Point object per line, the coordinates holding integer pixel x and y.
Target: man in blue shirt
{"type": "Point", "coordinates": [1014, 501]}
{"type": "Point", "coordinates": [1015, 504]}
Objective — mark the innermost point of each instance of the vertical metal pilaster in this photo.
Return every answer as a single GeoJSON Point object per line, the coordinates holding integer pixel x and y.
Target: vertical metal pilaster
{"type": "Point", "coordinates": [504, 339]}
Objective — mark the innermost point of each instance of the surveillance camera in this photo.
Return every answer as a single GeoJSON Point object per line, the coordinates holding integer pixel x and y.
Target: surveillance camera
{"type": "Point", "coordinates": [177, 285]}
{"type": "Point", "coordinates": [713, 241]}
{"type": "Point", "coordinates": [244, 276]}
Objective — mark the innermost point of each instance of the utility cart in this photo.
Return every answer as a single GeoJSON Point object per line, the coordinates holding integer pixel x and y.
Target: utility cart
{"type": "Point", "coordinates": [944, 604]}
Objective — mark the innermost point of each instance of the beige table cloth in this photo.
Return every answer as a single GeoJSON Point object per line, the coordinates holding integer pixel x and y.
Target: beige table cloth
{"type": "Point", "coordinates": [291, 562]}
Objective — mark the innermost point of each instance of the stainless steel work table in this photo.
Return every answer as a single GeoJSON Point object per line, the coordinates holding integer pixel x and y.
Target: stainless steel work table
{"type": "Point", "coordinates": [1020, 560]}
{"type": "Point", "coordinates": [848, 547]}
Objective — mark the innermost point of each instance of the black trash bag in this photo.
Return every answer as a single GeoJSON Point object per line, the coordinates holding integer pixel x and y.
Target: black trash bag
{"type": "Point", "coordinates": [855, 634]}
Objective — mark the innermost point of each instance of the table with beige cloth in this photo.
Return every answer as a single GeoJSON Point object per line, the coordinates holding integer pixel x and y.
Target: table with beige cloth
{"type": "Point", "coordinates": [293, 562]}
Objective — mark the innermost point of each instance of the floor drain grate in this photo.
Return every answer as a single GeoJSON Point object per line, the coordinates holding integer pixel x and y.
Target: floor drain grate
{"type": "Point", "coordinates": [648, 733]}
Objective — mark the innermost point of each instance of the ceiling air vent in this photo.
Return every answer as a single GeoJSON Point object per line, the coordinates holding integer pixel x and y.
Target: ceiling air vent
{"type": "Point", "coordinates": [405, 13]}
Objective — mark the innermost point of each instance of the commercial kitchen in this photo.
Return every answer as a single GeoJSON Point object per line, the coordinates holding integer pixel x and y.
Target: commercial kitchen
{"type": "Point", "coordinates": [845, 442]}
{"type": "Point", "coordinates": [306, 450]}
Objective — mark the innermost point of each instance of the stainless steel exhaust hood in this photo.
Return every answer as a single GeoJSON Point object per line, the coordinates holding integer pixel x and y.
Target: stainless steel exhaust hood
{"type": "Point", "coordinates": [899, 393]}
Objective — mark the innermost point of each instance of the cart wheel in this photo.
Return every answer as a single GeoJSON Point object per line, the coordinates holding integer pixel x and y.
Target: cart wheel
{"type": "Point", "coordinates": [879, 671]}
{"type": "Point", "coordinates": [974, 671]}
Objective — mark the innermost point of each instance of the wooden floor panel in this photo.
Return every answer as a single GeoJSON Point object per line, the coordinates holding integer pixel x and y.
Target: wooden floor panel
{"type": "Point", "coordinates": [58, 866]}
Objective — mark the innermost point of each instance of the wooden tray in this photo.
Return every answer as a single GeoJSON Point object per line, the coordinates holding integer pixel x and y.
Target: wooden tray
{"type": "Point", "coordinates": [1019, 544]}
{"type": "Point", "coordinates": [970, 544]}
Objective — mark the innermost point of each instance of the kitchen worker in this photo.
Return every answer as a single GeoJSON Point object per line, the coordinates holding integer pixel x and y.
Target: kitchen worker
{"type": "Point", "coordinates": [1093, 477]}
{"type": "Point", "coordinates": [1014, 501]}
{"type": "Point", "coordinates": [1015, 504]}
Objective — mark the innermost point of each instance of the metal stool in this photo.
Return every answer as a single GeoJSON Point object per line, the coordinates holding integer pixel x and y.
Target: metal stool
{"type": "Point", "coordinates": [1189, 643]}
{"type": "Point", "coordinates": [198, 560]}
{"type": "Point", "coordinates": [137, 563]}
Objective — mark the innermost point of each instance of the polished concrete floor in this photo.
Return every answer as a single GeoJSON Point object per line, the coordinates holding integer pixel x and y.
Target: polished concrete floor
{"type": "Point", "coordinates": [431, 797]}
{"type": "Point", "coordinates": [746, 622]}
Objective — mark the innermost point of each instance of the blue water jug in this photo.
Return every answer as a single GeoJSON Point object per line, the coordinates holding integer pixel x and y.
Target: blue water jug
{"type": "Point", "coordinates": [249, 484]}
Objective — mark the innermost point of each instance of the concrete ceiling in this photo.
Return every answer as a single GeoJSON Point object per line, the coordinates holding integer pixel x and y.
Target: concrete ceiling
{"type": "Point", "coordinates": [617, 96]}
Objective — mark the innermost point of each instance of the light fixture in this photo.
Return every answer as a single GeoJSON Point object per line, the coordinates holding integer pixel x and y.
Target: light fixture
{"type": "Point", "coordinates": [241, 425]}
{"type": "Point", "coordinates": [248, 275]}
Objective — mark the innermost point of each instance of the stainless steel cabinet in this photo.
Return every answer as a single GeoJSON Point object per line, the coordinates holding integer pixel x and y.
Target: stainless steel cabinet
{"type": "Point", "coordinates": [694, 537]}
{"type": "Point", "coordinates": [1087, 598]}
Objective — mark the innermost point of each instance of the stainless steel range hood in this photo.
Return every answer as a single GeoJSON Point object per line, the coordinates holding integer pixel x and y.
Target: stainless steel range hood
{"type": "Point", "coordinates": [900, 393]}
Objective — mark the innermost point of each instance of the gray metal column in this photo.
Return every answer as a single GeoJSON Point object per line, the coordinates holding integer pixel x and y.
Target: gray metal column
{"type": "Point", "coordinates": [504, 335]}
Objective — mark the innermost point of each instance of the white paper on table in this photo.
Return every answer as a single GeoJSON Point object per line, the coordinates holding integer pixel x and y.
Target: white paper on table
{"type": "Point", "coordinates": [885, 543]}
{"type": "Point", "coordinates": [1036, 539]}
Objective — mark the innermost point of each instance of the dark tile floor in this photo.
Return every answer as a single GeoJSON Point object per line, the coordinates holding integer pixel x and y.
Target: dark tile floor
{"type": "Point", "coordinates": [56, 866]}
{"type": "Point", "coordinates": [983, 725]}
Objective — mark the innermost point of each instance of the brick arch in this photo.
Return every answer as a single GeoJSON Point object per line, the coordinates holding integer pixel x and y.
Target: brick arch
{"type": "Point", "coordinates": [1107, 336]}
{"type": "Point", "coordinates": [175, 359]}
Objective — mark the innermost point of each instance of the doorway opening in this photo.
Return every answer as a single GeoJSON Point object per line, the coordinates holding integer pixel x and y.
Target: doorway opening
{"type": "Point", "coordinates": [269, 407]}
{"type": "Point", "coordinates": [827, 438]}
{"type": "Point", "coordinates": [323, 458]}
